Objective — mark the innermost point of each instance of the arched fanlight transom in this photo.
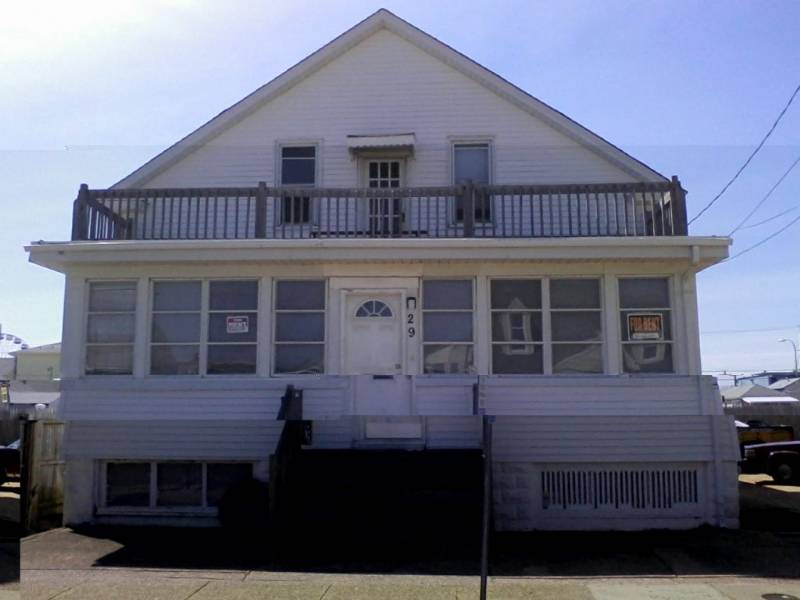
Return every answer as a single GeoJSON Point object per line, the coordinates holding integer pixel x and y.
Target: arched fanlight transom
{"type": "Point", "coordinates": [374, 308]}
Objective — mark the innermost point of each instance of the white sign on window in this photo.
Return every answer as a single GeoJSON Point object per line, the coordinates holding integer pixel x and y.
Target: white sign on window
{"type": "Point", "coordinates": [238, 324]}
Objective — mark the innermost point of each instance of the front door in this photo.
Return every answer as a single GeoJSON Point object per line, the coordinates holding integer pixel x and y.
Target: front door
{"type": "Point", "coordinates": [373, 342]}
{"type": "Point", "coordinates": [385, 215]}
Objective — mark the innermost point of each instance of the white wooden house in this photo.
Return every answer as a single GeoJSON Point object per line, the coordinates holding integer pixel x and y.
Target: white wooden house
{"type": "Point", "coordinates": [412, 242]}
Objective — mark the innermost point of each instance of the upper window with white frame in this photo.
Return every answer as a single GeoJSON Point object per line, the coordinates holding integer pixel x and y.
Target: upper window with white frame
{"type": "Point", "coordinates": [204, 327]}
{"type": "Point", "coordinates": [646, 325]}
{"type": "Point", "coordinates": [298, 169]}
{"type": "Point", "coordinates": [110, 328]}
{"type": "Point", "coordinates": [472, 162]}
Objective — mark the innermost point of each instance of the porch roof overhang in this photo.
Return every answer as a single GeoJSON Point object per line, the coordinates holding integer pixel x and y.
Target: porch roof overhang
{"type": "Point", "coordinates": [695, 252]}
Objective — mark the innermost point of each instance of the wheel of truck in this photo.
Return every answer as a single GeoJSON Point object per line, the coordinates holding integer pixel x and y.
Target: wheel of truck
{"type": "Point", "coordinates": [785, 471]}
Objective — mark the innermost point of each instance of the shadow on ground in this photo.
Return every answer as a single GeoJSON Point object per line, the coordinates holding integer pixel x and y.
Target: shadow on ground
{"type": "Point", "coordinates": [767, 545]}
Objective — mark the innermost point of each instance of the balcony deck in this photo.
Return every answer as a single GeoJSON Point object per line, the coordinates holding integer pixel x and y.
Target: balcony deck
{"type": "Point", "coordinates": [464, 211]}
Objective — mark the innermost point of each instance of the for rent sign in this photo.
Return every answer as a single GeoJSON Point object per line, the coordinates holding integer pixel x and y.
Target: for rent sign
{"type": "Point", "coordinates": [645, 326]}
{"type": "Point", "coordinates": [237, 324]}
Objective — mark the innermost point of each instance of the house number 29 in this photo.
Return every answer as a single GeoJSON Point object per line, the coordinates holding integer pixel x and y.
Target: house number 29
{"type": "Point", "coordinates": [412, 331]}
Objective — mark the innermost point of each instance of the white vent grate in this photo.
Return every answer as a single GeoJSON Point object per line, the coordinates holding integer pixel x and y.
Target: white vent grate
{"type": "Point", "coordinates": [642, 489]}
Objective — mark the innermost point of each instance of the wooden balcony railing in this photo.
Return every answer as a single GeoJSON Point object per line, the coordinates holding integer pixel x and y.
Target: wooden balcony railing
{"type": "Point", "coordinates": [497, 211]}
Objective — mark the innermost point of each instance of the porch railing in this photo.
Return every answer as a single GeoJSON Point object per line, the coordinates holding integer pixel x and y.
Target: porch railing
{"type": "Point", "coordinates": [496, 211]}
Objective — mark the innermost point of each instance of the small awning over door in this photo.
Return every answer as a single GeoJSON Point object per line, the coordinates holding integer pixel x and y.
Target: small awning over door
{"type": "Point", "coordinates": [398, 144]}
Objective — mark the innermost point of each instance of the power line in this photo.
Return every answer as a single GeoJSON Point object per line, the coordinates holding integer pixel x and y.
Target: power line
{"type": "Point", "coordinates": [764, 241]}
{"type": "Point", "coordinates": [763, 329]}
{"type": "Point", "coordinates": [766, 196]}
{"type": "Point", "coordinates": [749, 158]}
{"type": "Point", "coordinates": [772, 218]}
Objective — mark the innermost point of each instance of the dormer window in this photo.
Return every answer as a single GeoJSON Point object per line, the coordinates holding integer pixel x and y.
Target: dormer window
{"type": "Point", "coordinates": [298, 169]}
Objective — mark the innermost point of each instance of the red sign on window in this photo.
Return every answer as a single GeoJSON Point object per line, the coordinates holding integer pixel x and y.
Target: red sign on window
{"type": "Point", "coordinates": [645, 326]}
{"type": "Point", "coordinates": [238, 324]}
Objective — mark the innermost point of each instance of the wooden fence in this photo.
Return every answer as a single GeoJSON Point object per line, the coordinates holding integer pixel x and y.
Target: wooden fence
{"type": "Point", "coordinates": [42, 474]}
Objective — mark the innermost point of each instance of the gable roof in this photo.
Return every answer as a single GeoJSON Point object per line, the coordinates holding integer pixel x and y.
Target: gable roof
{"type": "Point", "coordinates": [384, 19]}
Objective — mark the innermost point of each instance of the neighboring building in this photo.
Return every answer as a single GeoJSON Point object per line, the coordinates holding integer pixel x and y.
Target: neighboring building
{"type": "Point", "coordinates": [752, 402]}
{"type": "Point", "coordinates": [40, 363]}
{"type": "Point", "coordinates": [398, 232]}
{"type": "Point", "coordinates": [790, 386]}
{"type": "Point", "coordinates": [764, 378]}
{"type": "Point", "coordinates": [753, 394]}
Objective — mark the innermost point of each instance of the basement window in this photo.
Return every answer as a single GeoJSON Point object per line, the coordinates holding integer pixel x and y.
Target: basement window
{"type": "Point", "coordinates": [170, 485]}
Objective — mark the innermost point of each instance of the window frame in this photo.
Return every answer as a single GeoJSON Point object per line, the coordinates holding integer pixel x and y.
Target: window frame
{"type": "Point", "coordinates": [274, 311]}
{"type": "Point", "coordinates": [203, 342]}
{"type": "Point", "coordinates": [85, 343]}
{"type": "Point", "coordinates": [671, 310]}
{"type": "Point", "coordinates": [473, 141]}
{"type": "Point", "coordinates": [279, 218]}
{"type": "Point", "coordinates": [152, 507]}
{"type": "Point", "coordinates": [423, 342]}
{"type": "Point", "coordinates": [547, 342]}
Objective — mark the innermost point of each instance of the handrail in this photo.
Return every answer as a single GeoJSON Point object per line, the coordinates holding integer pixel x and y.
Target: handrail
{"type": "Point", "coordinates": [466, 210]}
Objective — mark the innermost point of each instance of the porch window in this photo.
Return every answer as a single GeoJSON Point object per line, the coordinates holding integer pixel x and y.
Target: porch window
{"type": "Point", "coordinates": [471, 162]}
{"type": "Point", "coordinates": [576, 323]}
{"type": "Point", "coordinates": [447, 325]}
{"type": "Point", "coordinates": [202, 327]}
{"type": "Point", "coordinates": [298, 169]}
{"type": "Point", "coordinates": [299, 332]}
{"type": "Point", "coordinates": [175, 328]}
{"type": "Point", "coordinates": [516, 307]}
{"type": "Point", "coordinates": [110, 328]}
{"type": "Point", "coordinates": [171, 484]}
{"type": "Point", "coordinates": [646, 325]}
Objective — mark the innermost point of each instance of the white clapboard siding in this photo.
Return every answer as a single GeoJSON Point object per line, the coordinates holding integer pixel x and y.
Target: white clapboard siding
{"type": "Point", "coordinates": [449, 395]}
{"type": "Point", "coordinates": [332, 434]}
{"type": "Point", "coordinates": [610, 439]}
{"type": "Point", "coordinates": [453, 432]}
{"type": "Point", "coordinates": [590, 395]}
{"type": "Point", "coordinates": [151, 439]}
{"type": "Point", "coordinates": [229, 399]}
{"type": "Point", "coordinates": [387, 85]}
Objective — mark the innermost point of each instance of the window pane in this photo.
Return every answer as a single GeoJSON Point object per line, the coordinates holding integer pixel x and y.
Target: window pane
{"type": "Point", "coordinates": [297, 171]}
{"type": "Point", "coordinates": [112, 296]}
{"type": "Point", "coordinates": [232, 327]}
{"type": "Point", "coordinates": [574, 293]}
{"type": "Point", "coordinates": [576, 326]}
{"type": "Point", "coordinates": [176, 327]}
{"type": "Point", "coordinates": [298, 151]}
{"type": "Point", "coordinates": [111, 328]}
{"type": "Point", "coordinates": [517, 358]}
{"type": "Point", "coordinates": [577, 358]}
{"type": "Point", "coordinates": [176, 295]}
{"type": "Point", "coordinates": [517, 327]}
{"type": "Point", "coordinates": [447, 294]}
{"type": "Point", "coordinates": [471, 163]}
{"type": "Point", "coordinates": [221, 477]}
{"type": "Point", "coordinates": [447, 327]}
{"type": "Point", "coordinates": [647, 358]}
{"type": "Point", "coordinates": [521, 293]}
{"type": "Point", "coordinates": [179, 484]}
{"type": "Point", "coordinates": [109, 360]}
{"type": "Point", "coordinates": [644, 326]}
{"type": "Point", "coordinates": [648, 292]}
{"type": "Point", "coordinates": [233, 295]}
{"type": "Point", "coordinates": [302, 295]}
{"type": "Point", "coordinates": [174, 360]}
{"type": "Point", "coordinates": [231, 359]}
{"type": "Point", "coordinates": [298, 358]}
{"type": "Point", "coordinates": [127, 484]}
{"type": "Point", "coordinates": [440, 358]}
{"type": "Point", "coordinates": [299, 327]}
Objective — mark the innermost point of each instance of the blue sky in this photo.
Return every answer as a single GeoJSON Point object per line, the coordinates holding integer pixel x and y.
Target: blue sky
{"type": "Point", "coordinates": [98, 87]}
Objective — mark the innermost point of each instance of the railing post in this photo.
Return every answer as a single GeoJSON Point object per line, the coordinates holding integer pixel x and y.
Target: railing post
{"type": "Point", "coordinates": [261, 210]}
{"type": "Point", "coordinates": [678, 202]}
{"type": "Point", "coordinates": [79, 214]}
{"type": "Point", "coordinates": [468, 203]}
{"type": "Point", "coordinates": [486, 520]}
